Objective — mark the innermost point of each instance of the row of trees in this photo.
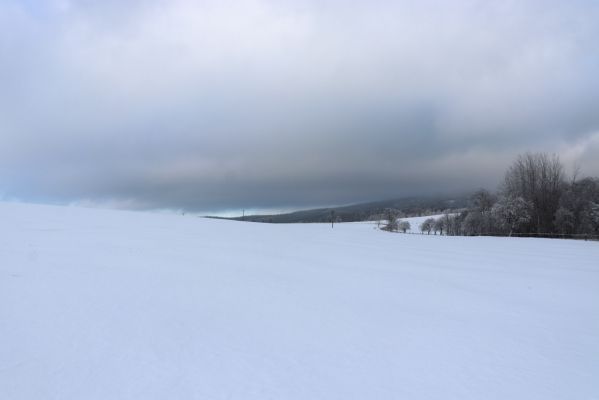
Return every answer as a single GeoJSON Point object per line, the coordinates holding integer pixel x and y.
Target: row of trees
{"type": "Point", "coordinates": [394, 223]}
{"type": "Point", "coordinates": [438, 225]}
{"type": "Point", "coordinates": [535, 198]}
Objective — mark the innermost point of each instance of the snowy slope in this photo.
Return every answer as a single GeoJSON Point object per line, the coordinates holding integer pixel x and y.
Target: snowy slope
{"type": "Point", "coordinates": [415, 222]}
{"type": "Point", "coordinates": [98, 304]}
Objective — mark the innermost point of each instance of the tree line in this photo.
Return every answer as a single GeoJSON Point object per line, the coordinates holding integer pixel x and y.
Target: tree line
{"type": "Point", "coordinates": [536, 198]}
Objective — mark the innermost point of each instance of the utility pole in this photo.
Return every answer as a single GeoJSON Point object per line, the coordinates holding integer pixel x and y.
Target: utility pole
{"type": "Point", "coordinates": [332, 218]}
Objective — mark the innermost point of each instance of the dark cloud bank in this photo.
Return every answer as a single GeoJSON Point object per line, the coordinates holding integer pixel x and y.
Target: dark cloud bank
{"type": "Point", "coordinates": [216, 105]}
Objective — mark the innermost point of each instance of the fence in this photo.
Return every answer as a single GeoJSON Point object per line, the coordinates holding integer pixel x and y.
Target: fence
{"type": "Point", "coordinates": [572, 236]}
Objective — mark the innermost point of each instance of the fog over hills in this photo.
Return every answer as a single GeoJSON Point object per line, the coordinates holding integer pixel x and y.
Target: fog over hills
{"type": "Point", "coordinates": [410, 206]}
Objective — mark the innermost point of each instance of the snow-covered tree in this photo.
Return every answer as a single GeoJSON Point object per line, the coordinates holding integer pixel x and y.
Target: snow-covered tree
{"type": "Point", "coordinates": [427, 225]}
{"type": "Point", "coordinates": [392, 222]}
{"type": "Point", "coordinates": [404, 226]}
{"type": "Point", "coordinates": [564, 220]}
{"type": "Point", "coordinates": [512, 212]}
{"type": "Point", "coordinates": [439, 226]}
{"type": "Point", "coordinates": [473, 223]}
{"type": "Point", "coordinates": [594, 216]}
{"type": "Point", "coordinates": [453, 223]}
{"type": "Point", "coordinates": [539, 180]}
{"type": "Point", "coordinates": [482, 201]}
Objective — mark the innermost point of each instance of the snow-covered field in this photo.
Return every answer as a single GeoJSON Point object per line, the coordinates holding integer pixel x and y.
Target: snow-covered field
{"type": "Point", "coordinates": [98, 304]}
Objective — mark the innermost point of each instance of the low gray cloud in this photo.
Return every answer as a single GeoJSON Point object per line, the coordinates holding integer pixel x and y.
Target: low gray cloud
{"type": "Point", "coordinates": [216, 105]}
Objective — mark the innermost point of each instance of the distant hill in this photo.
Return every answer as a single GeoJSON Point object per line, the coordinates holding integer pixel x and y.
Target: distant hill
{"type": "Point", "coordinates": [410, 206]}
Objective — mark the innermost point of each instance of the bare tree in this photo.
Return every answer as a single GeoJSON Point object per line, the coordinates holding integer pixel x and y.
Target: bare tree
{"type": "Point", "coordinates": [578, 199]}
{"type": "Point", "coordinates": [473, 223]}
{"type": "Point", "coordinates": [479, 216]}
{"type": "Point", "coordinates": [453, 223]}
{"type": "Point", "coordinates": [376, 217]}
{"type": "Point", "coordinates": [439, 225]}
{"type": "Point", "coordinates": [427, 225]}
{"type": "Point", "coordinates": [564, 221]}
{"type": "Point", "coordinates": [482, 201]}
{"type": "Point", "coordinates": [391, 217]}
{"type": "Point", "coordinates": [594, 217]}
{"type": "Point", "coordinates": [539, 180]}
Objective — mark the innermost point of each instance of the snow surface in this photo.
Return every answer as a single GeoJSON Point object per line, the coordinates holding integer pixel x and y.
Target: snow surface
{"type": "Point", "coordinates": [98, 304]}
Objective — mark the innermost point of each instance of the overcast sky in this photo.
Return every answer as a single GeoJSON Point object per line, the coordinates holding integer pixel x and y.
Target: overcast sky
{"type": "Point", "coordinates": [211, 106]}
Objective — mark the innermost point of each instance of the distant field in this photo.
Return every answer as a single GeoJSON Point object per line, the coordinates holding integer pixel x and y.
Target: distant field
{"type": "Point", "coordinates": [98, 304]}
